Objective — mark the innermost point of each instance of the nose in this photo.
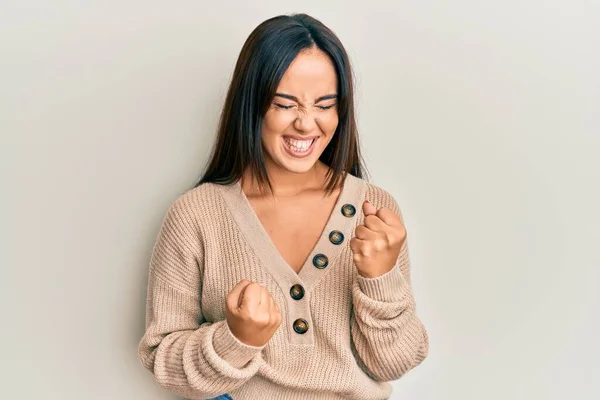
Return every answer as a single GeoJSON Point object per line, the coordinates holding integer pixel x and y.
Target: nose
{"type": "Point", "coordinates": [305, 122]}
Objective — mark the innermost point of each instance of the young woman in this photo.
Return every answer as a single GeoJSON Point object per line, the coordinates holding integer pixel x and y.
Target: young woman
{"type": "Point", "coordinates": [283, 274]}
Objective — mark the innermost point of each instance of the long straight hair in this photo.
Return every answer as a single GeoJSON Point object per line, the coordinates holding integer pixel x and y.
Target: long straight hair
{"type": "Point", "coordinates": [263, 60]}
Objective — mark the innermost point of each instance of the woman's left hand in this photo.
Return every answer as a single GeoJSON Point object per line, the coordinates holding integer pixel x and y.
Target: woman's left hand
{"type": "Point", "coordinates": [377, 242]}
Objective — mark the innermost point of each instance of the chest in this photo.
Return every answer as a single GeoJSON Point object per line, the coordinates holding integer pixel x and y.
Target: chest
{"type": "Point", "coordinates": [294, 225]}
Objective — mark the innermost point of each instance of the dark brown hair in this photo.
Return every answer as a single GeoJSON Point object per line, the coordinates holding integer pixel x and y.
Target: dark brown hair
{"type": "Point", "coordinates": [263, 60]}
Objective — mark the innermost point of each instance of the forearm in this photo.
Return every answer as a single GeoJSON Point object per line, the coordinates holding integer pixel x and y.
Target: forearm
{"type": "Point", "coordinates": [388, 336]}
{"type": "Point", "coordinates": [192, 360]}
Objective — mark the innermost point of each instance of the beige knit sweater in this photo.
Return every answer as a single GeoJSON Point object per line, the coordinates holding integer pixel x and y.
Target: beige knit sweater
{"type": "Point", "coordinates": [362, 332]}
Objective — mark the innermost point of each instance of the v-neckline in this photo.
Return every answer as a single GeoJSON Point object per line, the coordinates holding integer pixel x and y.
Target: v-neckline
{"type": "Point", "coordinates": [256, 234]}
{"type": "Point", "coordinates": [264, 232]}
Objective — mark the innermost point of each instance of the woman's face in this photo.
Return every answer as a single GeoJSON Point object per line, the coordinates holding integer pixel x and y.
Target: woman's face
{"type": "Point", "coordinates": [303, 116]}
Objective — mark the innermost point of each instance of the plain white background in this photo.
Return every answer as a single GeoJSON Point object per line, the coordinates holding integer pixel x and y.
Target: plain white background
{"type": "Point", "coordinates": [481, 117]}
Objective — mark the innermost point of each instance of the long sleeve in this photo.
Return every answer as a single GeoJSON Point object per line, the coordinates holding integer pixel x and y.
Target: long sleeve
{"type": "Point", "coordinates": [187, 355]}
{"type": "Point", "coordinates": [388, 337]}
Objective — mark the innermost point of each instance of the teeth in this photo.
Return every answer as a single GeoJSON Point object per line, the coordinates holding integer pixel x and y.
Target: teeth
{"type": "Point", "coordinates": [298, 145]}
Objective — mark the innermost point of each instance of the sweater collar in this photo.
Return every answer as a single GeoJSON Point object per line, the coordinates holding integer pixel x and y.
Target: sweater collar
{"type": "Point", "coordinates": [352, 193]}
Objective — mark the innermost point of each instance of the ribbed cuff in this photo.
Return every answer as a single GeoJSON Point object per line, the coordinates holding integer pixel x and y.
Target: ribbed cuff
{"type": "Point", "coordinates": [388, 287]}
{"type": "Point", "coordinates": [230, 348]}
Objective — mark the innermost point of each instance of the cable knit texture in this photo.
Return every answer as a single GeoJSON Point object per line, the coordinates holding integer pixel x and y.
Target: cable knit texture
{"type": "Point", "coordinates": [362, 332]}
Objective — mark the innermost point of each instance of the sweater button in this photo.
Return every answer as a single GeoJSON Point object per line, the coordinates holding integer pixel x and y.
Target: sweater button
{"type": "Point", "coordinates": [320, 261]}
{"type": "Point", "coordinates": [336, 237]}
{"type": "Point", "coordinates": [300, 326]}
{"type": "Point", "coordinates": [348, 210]}
{"type": "Point", "coordinates": [297, 292]}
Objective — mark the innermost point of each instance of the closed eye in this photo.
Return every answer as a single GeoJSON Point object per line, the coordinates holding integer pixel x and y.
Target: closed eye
{"type": "Point", "coordinates": [283, 106]}
{"type": "Point", "coordinates": [326, 107]}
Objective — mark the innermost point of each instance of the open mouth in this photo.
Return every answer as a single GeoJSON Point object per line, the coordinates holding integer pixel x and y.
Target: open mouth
{"type": "Point", "coordinates": [299, 148]}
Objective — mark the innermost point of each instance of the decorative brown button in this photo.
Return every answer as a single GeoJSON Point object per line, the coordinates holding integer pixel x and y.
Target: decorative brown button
{"type": "Point", "coordinates": [297, 292]}
{"type": "Point", "coordinates": [336, 237]}
{"type": "Point", "coordinates": [348, 210]}
{"type": "Point", "coordinates": [300, 326]}
{"type": "Point", "coordinates": [320, 261]}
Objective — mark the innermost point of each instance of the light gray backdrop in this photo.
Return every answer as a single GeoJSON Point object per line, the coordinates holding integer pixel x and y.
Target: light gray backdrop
{"type": "Point", "coordinates": [481, 117]}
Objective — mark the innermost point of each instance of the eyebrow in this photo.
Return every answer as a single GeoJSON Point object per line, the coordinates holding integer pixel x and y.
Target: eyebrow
{"type": "Point", "coordinates": [294, 98]}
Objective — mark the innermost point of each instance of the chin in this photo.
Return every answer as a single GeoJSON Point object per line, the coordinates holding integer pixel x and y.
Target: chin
{"type": "Point", "coordinates": [295, 166]}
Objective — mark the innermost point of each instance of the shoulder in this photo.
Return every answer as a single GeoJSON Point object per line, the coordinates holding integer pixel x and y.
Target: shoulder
{"type": "Point", "coordinates": [196, 206]}
{"type": "Point", "coordinates": [380, 197]}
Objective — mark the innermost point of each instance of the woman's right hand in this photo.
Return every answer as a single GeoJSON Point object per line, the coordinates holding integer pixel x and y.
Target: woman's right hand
{"type": "Point", "coordinates": [252, 315]}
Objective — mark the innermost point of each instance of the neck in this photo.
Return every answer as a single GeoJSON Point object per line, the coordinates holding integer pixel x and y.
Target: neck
{"type": "Point", "coordinates": [286, 183]}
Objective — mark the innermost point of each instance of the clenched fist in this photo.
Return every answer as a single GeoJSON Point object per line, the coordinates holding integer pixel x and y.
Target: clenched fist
{"type": "Point", "coordinates": [252, 315]}
{"type": "Point", "coordinates": [377, 242]}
